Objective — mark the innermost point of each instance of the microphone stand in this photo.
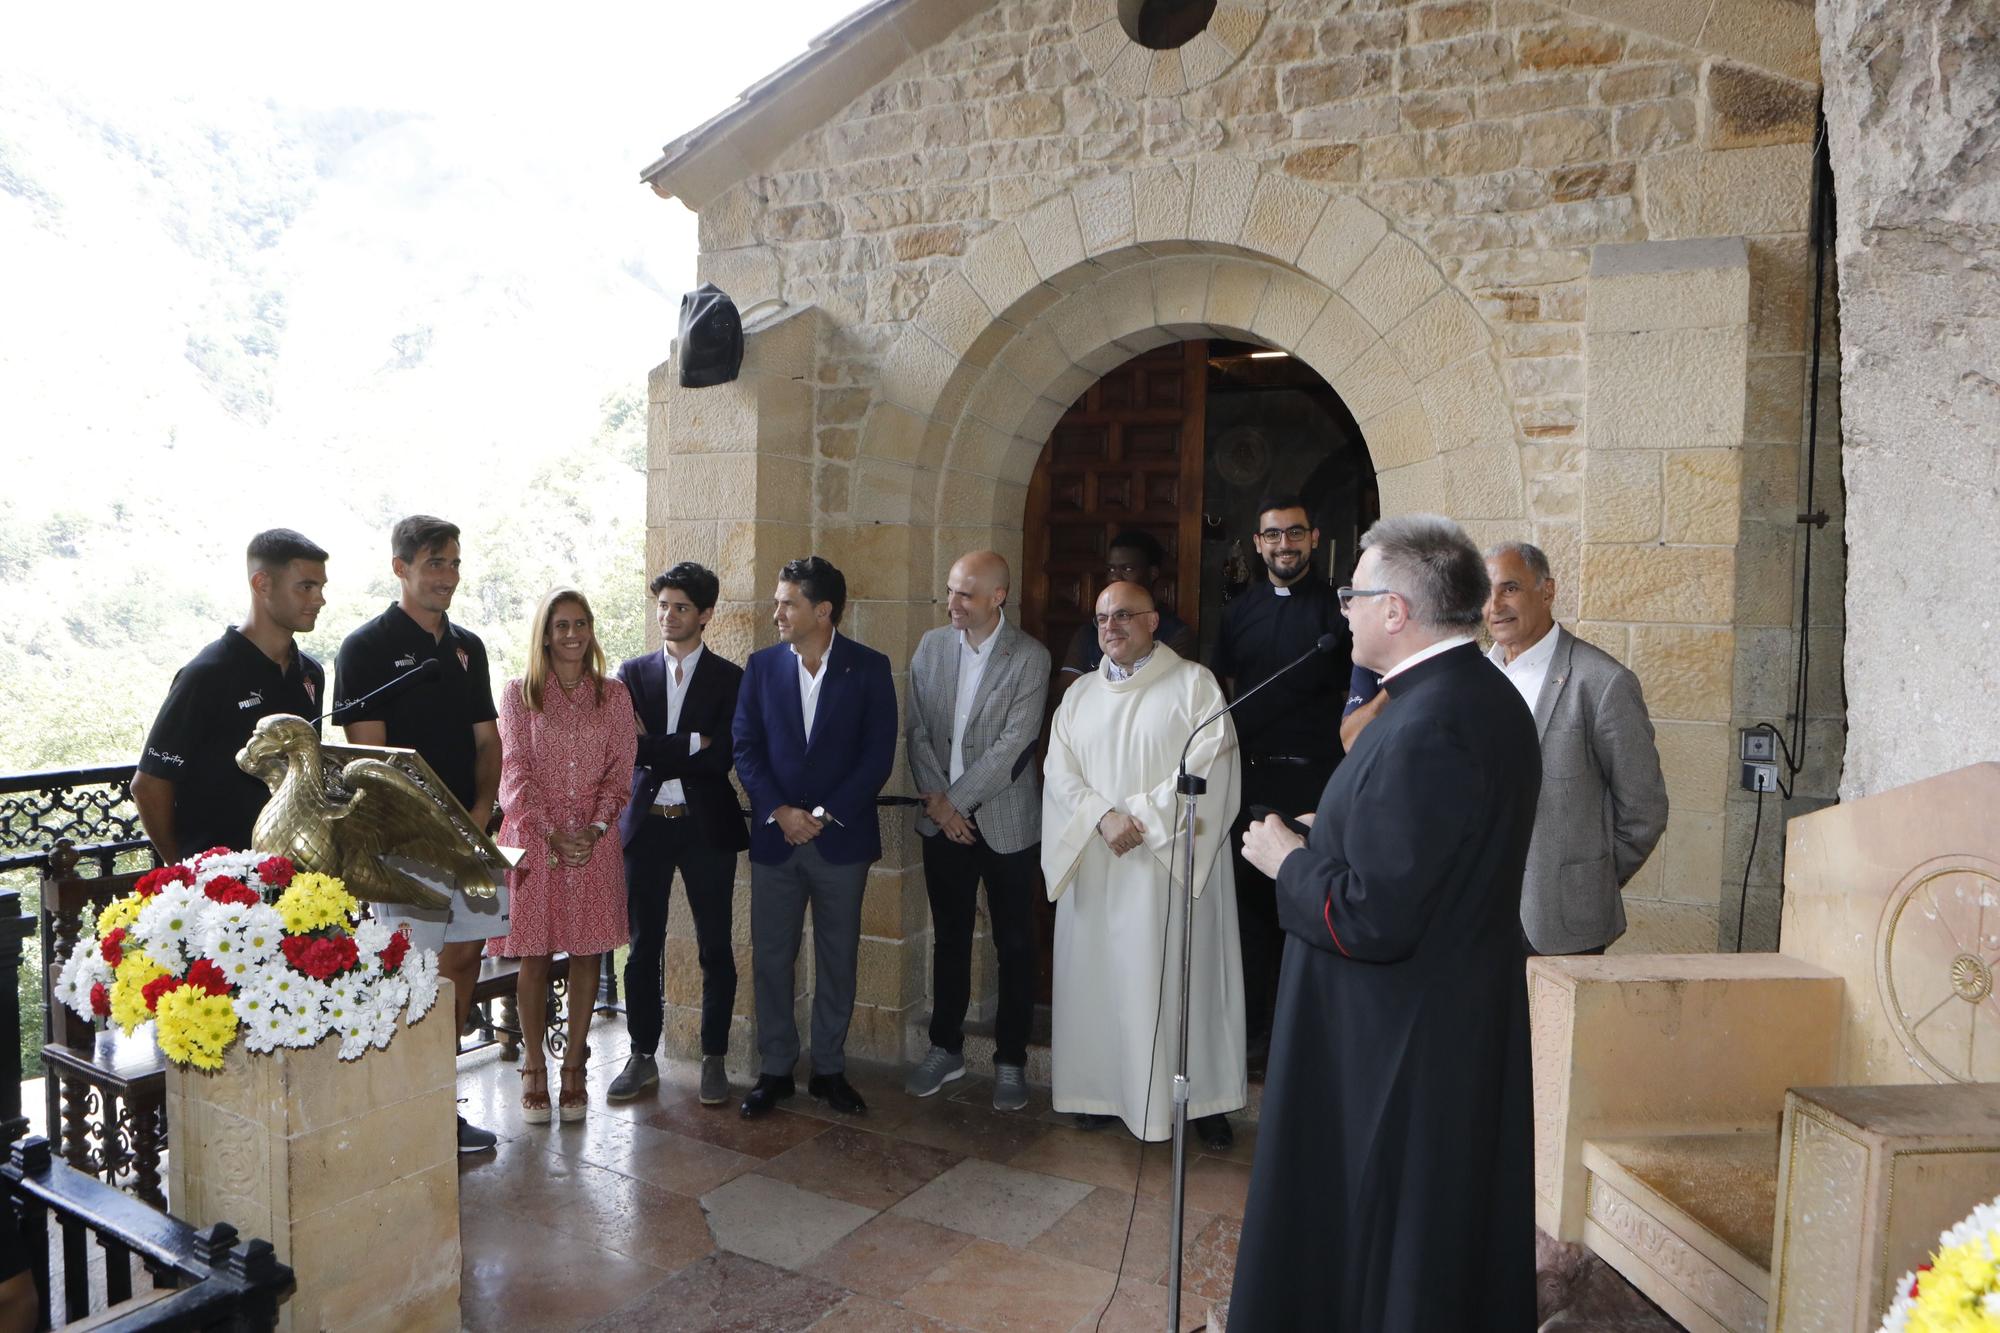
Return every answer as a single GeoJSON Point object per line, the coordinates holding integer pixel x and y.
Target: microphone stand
{"type": "Point", "coordinates": [1192, 788]}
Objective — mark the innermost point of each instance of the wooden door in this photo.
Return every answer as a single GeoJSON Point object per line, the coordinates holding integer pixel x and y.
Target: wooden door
{"type": "Point", "coordinates": [1127, 454]}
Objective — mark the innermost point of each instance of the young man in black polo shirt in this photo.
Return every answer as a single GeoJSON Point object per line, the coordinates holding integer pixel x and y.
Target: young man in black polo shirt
{"type": "Point", "coordinates": [190, 793]}
{"type": "Point", "coordinates": [1288, 735]}
{"type": "Point", "coordinates": [449, 720]}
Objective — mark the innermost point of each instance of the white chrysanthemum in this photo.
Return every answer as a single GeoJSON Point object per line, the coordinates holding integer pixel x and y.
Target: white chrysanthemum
{"type": "Point", "coordinates": [262, 932]}
{"type": "Point", "coordinates": [262, 1031]}
{"type": "Point", "coordinates": [167, 924]}
{"type": "Point", "coordinates": [420, 971]}
{"type": "Point", "coordinates": [70, 986]}
{"type": "Point", "coordinates": [371, 937]}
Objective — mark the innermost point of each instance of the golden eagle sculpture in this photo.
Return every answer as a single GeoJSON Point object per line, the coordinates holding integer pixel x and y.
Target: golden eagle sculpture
{"type": "Point", "coordinates": [342, 819]}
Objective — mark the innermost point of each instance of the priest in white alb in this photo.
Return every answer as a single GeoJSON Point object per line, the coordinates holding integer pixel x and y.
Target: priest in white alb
{"type": "Point", "coordinates": [1112, 859]}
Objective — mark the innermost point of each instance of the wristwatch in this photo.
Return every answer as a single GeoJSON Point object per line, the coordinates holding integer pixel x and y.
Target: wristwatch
{"type": "Point", "coordinates": [601, 827]}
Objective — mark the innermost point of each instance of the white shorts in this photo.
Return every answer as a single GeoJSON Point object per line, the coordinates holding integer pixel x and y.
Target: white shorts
{"type": "Point", "coordinates": [463, 918]}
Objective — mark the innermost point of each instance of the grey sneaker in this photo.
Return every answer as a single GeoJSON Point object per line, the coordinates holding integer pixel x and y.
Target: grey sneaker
{"type": "Point", "coordinates": [938, 1068]}
{"type": "Point", "coordinates": [714, 1081]}
{"type": "Point", "coordinates": [640, 1072]}
{"type": "Point", "coordinates": [1010, 1087]}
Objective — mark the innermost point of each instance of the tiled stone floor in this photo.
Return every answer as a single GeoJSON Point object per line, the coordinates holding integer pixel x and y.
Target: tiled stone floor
{"type": "Point", "coordinates": [934, 1214]}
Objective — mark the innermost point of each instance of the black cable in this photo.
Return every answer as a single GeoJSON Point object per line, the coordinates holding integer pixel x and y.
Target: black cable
{"type": "Point", "coordinates": [1743, 897]}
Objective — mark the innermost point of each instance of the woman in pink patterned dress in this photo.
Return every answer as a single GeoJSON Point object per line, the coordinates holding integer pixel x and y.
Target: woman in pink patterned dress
{"type": "Point", "coordinates": [568, 742]}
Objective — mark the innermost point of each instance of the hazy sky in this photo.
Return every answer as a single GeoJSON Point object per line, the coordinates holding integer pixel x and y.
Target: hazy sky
{"type": "Point", "coordinates": [584, 100]}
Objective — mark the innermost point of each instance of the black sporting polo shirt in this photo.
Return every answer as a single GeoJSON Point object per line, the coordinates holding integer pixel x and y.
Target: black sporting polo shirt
{"type": "Point", "coordinates": [433, 717]}
{"type": "Point", "coordinates": [1264, 628]}
{"type": "Point", "coordinates": [210, 711]}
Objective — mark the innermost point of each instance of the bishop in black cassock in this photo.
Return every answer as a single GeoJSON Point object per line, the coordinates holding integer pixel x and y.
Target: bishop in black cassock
{"type": "Point", "coordinates": [1392, 1191]}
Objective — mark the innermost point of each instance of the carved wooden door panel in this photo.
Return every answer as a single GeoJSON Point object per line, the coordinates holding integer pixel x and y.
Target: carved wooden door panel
{"type": "Point", "coordinates": [1127, 454]}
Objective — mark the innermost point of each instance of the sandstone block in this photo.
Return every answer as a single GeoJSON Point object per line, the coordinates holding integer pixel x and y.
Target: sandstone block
{"type": "Point", "coordinates": [1479, 58]}
{"type": "Point", "coordinates": [1467, 405]}
{"type": "Point", "coordinates": [1282, 215]}
{"type": "Point", "coordinates": [1235, 291]}
{"type": "Point", "coordinates": [1349, 121]}
{"type": "Point", "coordinates": [1443, 329]}
{"type": "Point", "coordinates": [1695, 759]}
{"type": "Point", "coordinates": [1374, 382]}
{"type": "Point", "coordinates": [1623, 496]}
{"type": "Point", "coordinates": [1748, 107]}
{"type": "Point", "coordinates": [1476, 148]}
{"type": "Point", "coordinates": [1742, 192]}
{"type": "Point", "coordinates": [1451, 18]}
{"type": "Point", "coordinates": [1315, 84]}
{"type": "Point", "coordinates": [1337, 337]}
{"type": "Point", "coordinates": [1780, 294]}
{"type": "Point", "coordinates": [1104, 214]}
{"type": "Point", "coordinates": [1483, 482]}
{"type": "Point", "coordinates": [1555, 498]}
{"type": "Point", "coordinates": [1415, 489]}
{"type": "Point", "coordinates": [1391, 283]}
{"type": "Point", "coordinates": [1567, 46]}
{"type": "Point", "coordinates": [1290, 304]}
{"type": "Point", "coordinates": [1692, 848]}
{"type": "Point", "coordinates": [1180, 289]}
{"type": "Point", "coordinates": [1569, 184]}
{"type": "Point", "coordinates": [1687, 585]}
{"type": "Point", "coordinates": [1646, 285]}
{"type": "Point", "coordinates": [1558, 138]}
{"type": "Point", "coordinates": [1053, 237]}
{"type": "Point", "coordinates": [1395, 157]}
{"type": "Point", "coordinates": [1000, 269]}
{"type": "Point", "coordinates": [1399, 437]}
{"type": "Point", "coordinates": [1776, 35]}
{"type": "Point", "coordinates": [1674, 389]}
{"type": "Point", "coordinates": [953, 316]}
{"type": "Point", "coordinates": [1327, 163]}
{"type": "Point", "coordinates": [1654, 127]}
{"type": "Point", "coordinates": [1436, 111]}
{"type": "Point", "coordinates": [1774, 408]}
{"type": "Point", "coordinates": [1205, 59]}
{"type": "Point", "coordinates": [1519, 97]}
{"type": "Point", "coordinates": [917, 371]}
{"type": "Point", "coordinates": [1161, 199]}
{"type": "Point", "coordinates": [1703, 496]}
{"type": "Point", "coordinates": [1678, 21]}
{"type": "Point", "coordinates": [1685, 670]}
{"type": "Point", "coordinates": [1643, 83]}
{"type": "Point", "coordinates": [1765, 554]}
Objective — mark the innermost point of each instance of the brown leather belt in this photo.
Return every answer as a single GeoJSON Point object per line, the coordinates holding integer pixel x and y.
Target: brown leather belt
{"type": "Point", "coordinates": [669, 811]}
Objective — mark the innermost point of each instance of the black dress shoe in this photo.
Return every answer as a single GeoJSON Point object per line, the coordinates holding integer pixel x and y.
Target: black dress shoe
{"type": "Point", "coordinates": [1215, 1133]}
{"type": "Point", "coordinates": [837, 1092]}
{"type": "Point", "coordinates": [770, 1090]}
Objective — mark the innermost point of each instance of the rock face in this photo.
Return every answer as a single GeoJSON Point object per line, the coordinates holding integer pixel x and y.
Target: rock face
{"type": "Point", "coordinates": [1913, 109]}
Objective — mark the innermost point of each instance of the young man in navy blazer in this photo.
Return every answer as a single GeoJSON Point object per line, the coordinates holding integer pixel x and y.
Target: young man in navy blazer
{"type": "Point", "coordinates": [683, 816]}
{"type": "Point", "coordinates": [815, 741]}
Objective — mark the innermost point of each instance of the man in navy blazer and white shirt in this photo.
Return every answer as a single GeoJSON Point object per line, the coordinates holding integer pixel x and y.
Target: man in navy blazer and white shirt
{"type": "Point", "coordinates": [683, 816]}
{"type": "Point", "coordinates": [815, 742]}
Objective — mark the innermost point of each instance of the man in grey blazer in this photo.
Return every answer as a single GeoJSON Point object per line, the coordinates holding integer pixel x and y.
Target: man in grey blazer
{"type": "Point", "coordinates": [1604, 803]}
{"type": "Point", "coordinates": [977, 689]}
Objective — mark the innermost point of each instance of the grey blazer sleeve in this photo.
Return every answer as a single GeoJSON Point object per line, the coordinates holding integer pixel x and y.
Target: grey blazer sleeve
{"type": "Point", "coordinates": [1623, 745]}
{"type": "Point", "coordinates": [926, 769]}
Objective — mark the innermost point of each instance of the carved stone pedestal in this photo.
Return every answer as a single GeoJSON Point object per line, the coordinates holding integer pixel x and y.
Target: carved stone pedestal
{"type": "Point", "coordinates": [350, 1168]}
{"type": "Point", "coordinates": [1868, 1178]}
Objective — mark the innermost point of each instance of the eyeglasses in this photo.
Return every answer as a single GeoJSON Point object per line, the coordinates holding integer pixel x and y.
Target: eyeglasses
{"type": "Point", "coordinates": [1348, 594]}
{"type": "Point", "coordinates": [1119, 618]}
{"type": "Point", "coordinates": [1298, 532]}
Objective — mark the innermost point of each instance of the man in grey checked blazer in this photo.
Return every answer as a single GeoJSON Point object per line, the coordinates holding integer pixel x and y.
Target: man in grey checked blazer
{"type": "Point", "coordinates": [1604, 802]}
{"type": "Point", "coordinates": [977, 688]}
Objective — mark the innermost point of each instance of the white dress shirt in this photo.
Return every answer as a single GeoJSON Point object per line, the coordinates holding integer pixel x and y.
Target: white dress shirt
{"type": "Point", "coordinates": [1530, 666]}
{"type": "Point", "coordinates": [1425, 654]}
{"type": "Point", "coordinates": [678, 676]}
{"type": "Point", "coordinates": [971, 667]}
{"type": "Point", "coordinates": [809, 684]}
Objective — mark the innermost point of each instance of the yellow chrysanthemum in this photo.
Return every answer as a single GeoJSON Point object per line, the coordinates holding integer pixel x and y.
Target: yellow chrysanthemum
{"type": "Point", "coordinates": [1950, 1295]}
{"type": "Point", "coordinates": [122, 912]}
{"type": "Point", "coordinates": [128, 988]}
{"type": "Point", "coordinates": [195, 1027]}
{"type": "Point", "coordinates": [316, 902]}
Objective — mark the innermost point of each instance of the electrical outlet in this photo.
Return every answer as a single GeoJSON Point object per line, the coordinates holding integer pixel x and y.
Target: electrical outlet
{"type": "Point", "coordinates": [1760, 746]}
{"type": "Point", "coordinates": [1760, 776]}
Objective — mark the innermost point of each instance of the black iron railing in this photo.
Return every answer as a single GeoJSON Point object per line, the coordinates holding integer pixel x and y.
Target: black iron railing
{"type": "Point", "coordinates": [212, 1280]}
{"type": "Point", "coordinates": [89, 806]}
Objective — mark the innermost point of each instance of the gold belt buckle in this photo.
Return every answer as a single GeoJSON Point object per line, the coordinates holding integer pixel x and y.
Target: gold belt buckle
{"type": "Point", "coordinates": [670, 811]}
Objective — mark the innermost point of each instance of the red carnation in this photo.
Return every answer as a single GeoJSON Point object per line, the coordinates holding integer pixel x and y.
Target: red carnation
{"type": "Point", "coordinates": [113, 947]}
{"type": "Point", "coordinates": [320, 959]}
{"type": "Point", "coordinates": [153, 881]}
{"type": "Point", "coordinates": [157, 987]}
{"type": "Point", "coordinates": [392, 954]}
{"type": "Point", "coordinates": [100, 999]}
{"type": "Point", "coordinates": [208, 977]}
{"type": "Point", "coordinates": [199, 857]}
{"type": "Point", "coordinates": [275, 871]}
{"type": "Point", "coordinates": [225, 889]}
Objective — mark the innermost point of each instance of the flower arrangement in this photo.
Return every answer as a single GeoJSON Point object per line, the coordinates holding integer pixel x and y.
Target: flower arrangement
{"type": "Point", "coordinates": [229, 945]}
{"type": "Point", "coordinates": [1958, 1291]}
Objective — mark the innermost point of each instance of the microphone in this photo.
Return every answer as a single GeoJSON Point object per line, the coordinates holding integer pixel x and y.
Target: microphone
{"type": "Point", "coordinates": [429, 669]}
{"type": "Point", "coordinates": [1326, 643]}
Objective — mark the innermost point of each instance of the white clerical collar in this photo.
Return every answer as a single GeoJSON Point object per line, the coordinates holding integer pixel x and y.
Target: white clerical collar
{"type": "Point", "coordinates": [1437, 649]}
{"type": "Point", "coordinates": [979, 650]}
{"type": "Point", "coordinates": [1528, 659]}
{"type": "Point", "coordinates": [1281, 590]}
{"type": "Point", "coordinates": [1113, 671]}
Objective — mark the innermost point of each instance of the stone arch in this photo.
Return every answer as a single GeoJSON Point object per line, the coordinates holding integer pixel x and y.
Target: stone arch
{"type": "Point", "coordinates": [1046, 303]}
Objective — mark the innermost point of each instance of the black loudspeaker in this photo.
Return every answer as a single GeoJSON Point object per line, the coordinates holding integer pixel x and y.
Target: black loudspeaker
{"type": "Point", "coordinates": [711, 338]}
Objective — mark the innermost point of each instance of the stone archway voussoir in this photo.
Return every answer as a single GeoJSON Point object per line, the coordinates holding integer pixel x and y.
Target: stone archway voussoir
{"type": "Point", "coordinates": [1223, 189]}
{"type": "Point", "coordinates": [1283, 213]}
{"type": "Point", "coordinates": [1467, 404]}
{"type": "Point", "coordinates": [1416, 488]}
{"type": "Point", "coordinates": [1236, 292]}
{"type": "Point", "coordinates": [1290, 304]}
{"type": "Point", "coordinates": [999, 268]}
{"type": "Point", "coordinates": [1389, 286]}
{"type": "Point", "coordinates": [1442, 330]}
{"type": "Point", "coordinates": [1104, 214]}
{"type": "Point", "coordinates": [1162, 198]}
{"type": "Point", "coordinates": [1180, 290]}
{"type": "Point", "coordinates": [1346, 234]}
{"type": "Point", "coordinates": [957, 319]}
{"type": "Point", "coordinates": [917, 372]}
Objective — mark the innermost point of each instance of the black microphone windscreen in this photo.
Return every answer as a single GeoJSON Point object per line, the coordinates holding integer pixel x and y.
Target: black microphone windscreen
{"type": "Point", "coordinates": [432, 668]}
{"type": "Point", "coordinates": [1327, 643]}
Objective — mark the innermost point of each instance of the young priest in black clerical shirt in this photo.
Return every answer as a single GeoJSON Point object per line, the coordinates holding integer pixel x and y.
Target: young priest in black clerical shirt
{"type": "Point", "coordinates": [190, 793]}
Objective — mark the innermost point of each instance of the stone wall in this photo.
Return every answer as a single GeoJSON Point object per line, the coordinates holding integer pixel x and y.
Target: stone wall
{"type": "Point", "coordinates": [1409, 198]}
{"type": "Point", "coordinates": [1913, 109]}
